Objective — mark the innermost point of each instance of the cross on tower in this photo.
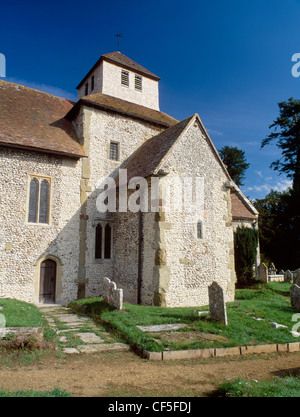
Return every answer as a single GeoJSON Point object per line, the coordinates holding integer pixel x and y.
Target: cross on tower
{"type": "Point", "coordinates": [119, 35]}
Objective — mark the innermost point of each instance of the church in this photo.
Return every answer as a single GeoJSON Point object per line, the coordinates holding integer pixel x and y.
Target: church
{"type": "Point", "coordinates": [64, 227]}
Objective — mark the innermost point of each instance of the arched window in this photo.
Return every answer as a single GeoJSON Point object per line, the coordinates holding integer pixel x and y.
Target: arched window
{"type": "Point", "coordinates": [44, 202]}
{"type": "Point", "coordinates": [103, 241]}
{"type": "Point", "coordinates": [98, 242]}
{"type": "Point", "coordinates": [199, 229]}
{"type": "Point", "coordinates": [107, 242]}
{"type": "Point", "coordinates": [39, 200]}
{"type": "Point", "coordinates": [33, 200]}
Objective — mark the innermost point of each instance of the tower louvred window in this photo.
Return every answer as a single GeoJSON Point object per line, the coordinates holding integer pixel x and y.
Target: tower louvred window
{"type": "Point", "coordinates": [125, 78]}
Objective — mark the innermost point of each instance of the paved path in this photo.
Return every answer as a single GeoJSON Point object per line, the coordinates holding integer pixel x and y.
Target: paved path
{"type": "Point", "coordinates": [79, 334]}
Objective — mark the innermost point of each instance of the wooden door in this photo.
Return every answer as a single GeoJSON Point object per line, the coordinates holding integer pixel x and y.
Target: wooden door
{"type": "Point", "coordinates": [47, 281]}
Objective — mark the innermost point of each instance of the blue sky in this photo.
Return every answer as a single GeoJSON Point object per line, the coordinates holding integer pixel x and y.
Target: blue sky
{"type": "Point", "coordinates": [229, 61]}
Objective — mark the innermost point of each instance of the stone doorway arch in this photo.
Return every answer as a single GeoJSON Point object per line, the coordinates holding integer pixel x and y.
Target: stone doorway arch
{"type": "Point", "coordinates": [48, 275]}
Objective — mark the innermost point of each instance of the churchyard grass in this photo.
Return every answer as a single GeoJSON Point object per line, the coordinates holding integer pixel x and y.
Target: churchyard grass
{"type": "Point", "coordinates": [21, 314]}
{"type": "Point", "coordinates": [249, 318]}
{"type": "Point", "coordinates": [276, 387]}
{"type": "Point", "coordinates": [56, 392]}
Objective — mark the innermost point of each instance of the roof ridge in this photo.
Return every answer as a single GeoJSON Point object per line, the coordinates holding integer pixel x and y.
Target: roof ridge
{"type": "Point", "coordinates": [39, 91]}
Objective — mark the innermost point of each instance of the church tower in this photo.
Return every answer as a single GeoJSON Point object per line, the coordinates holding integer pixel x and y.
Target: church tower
{"type": "Point", "coordinates": [116, 75]}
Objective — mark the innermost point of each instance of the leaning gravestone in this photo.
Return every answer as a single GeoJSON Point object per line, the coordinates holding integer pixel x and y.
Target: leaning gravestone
{"type": "Point", "coordinates": [217, 306]}
{"type": "Point", "coordinates": [295, 297]}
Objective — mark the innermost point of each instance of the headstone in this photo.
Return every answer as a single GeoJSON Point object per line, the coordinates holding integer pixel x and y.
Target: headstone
{"type": "Point", "coordinates": [297, 279]}
{"type": "Point", "coordinates": [295, 297]}
{"type": "Point", "coordinates": [288, 276]}
{"type": "Point", "coordinates": [262, 272]}
{"type": "Point", "coordinates": [217, 306]}
{"type": "Point", "coordinates": [111, 294]}
{"type": "Point", "coordinates": [272, 269]}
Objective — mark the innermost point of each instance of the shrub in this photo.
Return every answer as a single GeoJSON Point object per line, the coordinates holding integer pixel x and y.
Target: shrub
{"type": "Point", "coordinates": [245, 250]}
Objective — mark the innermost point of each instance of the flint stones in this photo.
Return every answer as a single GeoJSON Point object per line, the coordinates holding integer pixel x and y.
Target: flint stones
{"type": "Point", "coordinates": [161, 327]}
{"type": "Point", "coordinates": [217, 306]}
{"type": "Point", "coordinates": [295, 297]}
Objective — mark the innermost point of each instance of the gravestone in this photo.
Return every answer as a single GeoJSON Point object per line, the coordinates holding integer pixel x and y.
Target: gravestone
{"type": "Point", "coordinates": [288, 276]}
{"type": "Point", "coordinates": [295, 297]}
{"type": "Point", "coordinates": [262, 272]}
{"type": "Point", "coordinates": [217, 306]}
{"type": "Point", "coordinates": [111, 294]}
{"type": "Point", "coordinates": [272, 269]}
{"type": "Point", "coordinates": [297, 279]}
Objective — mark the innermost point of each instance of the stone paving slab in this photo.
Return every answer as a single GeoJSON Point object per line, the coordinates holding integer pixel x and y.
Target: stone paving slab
{"type": "Point", "coordinates": [162, 327]}
{"type": "Point", "coordinates": [103, 347]}
{"type": "Point", "coordinates": [74, 323]}
{"type": "Point", "coordinates": [89, 337]}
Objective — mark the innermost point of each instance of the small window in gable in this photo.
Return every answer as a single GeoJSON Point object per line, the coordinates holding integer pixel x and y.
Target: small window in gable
{"type": "Point", "coordinates": [125, 78]}
{"type": "Point", "coordinates": [92, 82]}
{"type": "Point", "coordinates": [86, 89]}
{"type": "Point", "coordinates": [199, 229]}
{"type": "Point", "coordinates": [114, 151]}
{"type": "Point", "coordinates": [39, 200]}
{"type": "Point", "coordinates": [138, 82]}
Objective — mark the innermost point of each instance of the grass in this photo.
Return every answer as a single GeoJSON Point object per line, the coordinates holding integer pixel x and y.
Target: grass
{"type": "Point", "coordinates": [276, 387]}
{"type": "Point", "coordinates": [264, 303]}
{"type": "Point", "coordinates": [21, 314]}
{"type": "Point", "coordinates": [56, 392]}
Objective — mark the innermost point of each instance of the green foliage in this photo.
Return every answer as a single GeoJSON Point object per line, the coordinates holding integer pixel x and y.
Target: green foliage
{"type": "Point", "coordinates": [245, 250]}
{"type": "Point", "coordinates": [277, 230]}
{"type": "Point", "coordinates": [56, 392]}
{"type": "Point", "coordinates": [286, 134]}
{"type": "Point", "coordinates": [276, 387]}
{"type": "Point", "coordinates": [235, 161]}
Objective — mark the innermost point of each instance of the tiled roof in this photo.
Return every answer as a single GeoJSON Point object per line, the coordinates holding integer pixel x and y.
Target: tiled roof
{"type": "Point", "coordinates": [148, 158]}
{"type": "Point", "coordinates": [123, 61]}
{"type": "Point", "coordinates": [110, 103]}
{"type": "Point", "coordinates": [239, 208]}
{"type": "Point", "coordinates": [34, 120]}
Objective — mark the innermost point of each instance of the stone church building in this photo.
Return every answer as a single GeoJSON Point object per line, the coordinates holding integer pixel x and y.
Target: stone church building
{"type": "Point", "coordinates": [55, 243]}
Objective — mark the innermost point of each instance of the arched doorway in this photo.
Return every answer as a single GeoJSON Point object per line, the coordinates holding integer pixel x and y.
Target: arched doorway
{"type": "Point", "coordinates": [48, 269]}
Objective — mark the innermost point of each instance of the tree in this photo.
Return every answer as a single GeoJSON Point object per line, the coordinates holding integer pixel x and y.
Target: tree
{"type": "Point", "coordinates": [235, 161]}
{"type": "Point", "coordinates": [245, 250]}
{"type": "Point", "coordinates": [276, 229]}
{"type": "Point", "coordinates": [287, 135]}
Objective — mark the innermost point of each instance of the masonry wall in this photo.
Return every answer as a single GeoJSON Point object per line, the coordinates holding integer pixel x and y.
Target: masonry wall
{"type": "Point", "coordinates": [107, 78]}
{"type": "Point", "coordinates": [97, 129]}
{"type": "Point", "coordinates": [23, 245]}
{"type": "Point", "coordinates": [186, 264]}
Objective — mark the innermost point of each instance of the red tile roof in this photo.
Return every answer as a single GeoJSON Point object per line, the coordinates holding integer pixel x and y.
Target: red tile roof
{"type": "Point", "coordinates": [239, 208]}
{"type": "Point", "coordinates": [34, 120]}
{"type": "Point", "coordinates": [117, 105]}
{"type": "Point", "coordinates": [148, 158]}
{"type": "Point", "coordinates": [123, 61]}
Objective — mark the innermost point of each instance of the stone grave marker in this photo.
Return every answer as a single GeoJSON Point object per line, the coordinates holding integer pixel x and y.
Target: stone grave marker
{"type": "Point", "coordinates": [217, 306]}
{"type": "Point", "coordinates": [262, 273]}
{"type": "Point", "coordinates": [295, 297]}
{"type": "Point", "coordinates": [111, 294]}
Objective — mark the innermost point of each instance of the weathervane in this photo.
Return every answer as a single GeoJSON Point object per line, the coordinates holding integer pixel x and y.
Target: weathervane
{"type": "Point", "coordinates": [119, 35]}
